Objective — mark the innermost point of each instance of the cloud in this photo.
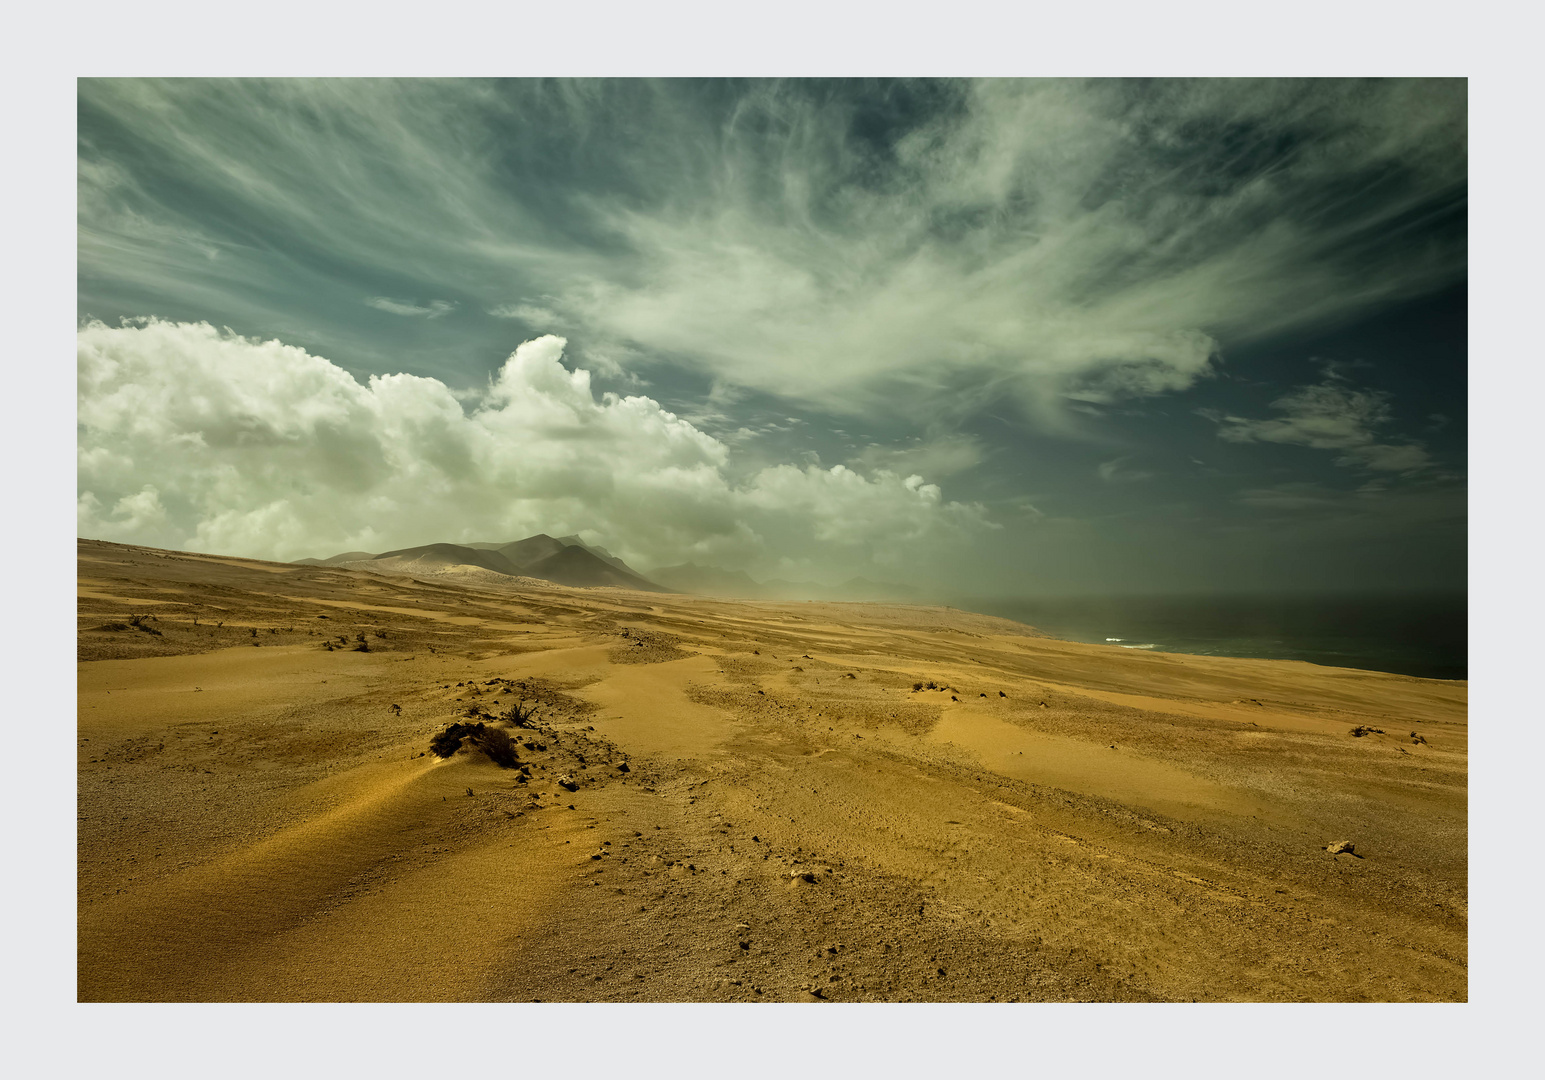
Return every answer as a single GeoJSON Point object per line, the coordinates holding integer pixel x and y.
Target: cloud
{"type": "Point", "coordinates": [1290, 497]}
{"type": "Point", "coordinates": [924, 248]}
{"type": "Point", "coordinates": [1117, 472]}
{"type": "Point", "coordinates": [191, 437]}
{"type": "Point", "coordinates": [1051, 240]}
{"type": "Point", "coordinates": [534, 314]}
{"type": "Point", "coordinates": [432, 310]}
{"type": "Point", "coordinates": [1330, 416]}
{"type": "Point", "coordinates": [938, 456]}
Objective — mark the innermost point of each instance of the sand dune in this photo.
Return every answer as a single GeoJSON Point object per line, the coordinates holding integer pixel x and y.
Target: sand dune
{"type": "Point", "coordinates": [736, 801]}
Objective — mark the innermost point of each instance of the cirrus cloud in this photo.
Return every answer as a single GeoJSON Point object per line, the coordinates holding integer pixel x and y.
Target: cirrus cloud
{"type": "Point", "coordinates": [1330, 416]}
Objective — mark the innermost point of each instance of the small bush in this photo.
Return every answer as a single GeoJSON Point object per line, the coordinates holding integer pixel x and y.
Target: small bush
{"type": "Point", "coordinates": [495, 742]}
{"type": "Point", "coordinates": [519, 715]}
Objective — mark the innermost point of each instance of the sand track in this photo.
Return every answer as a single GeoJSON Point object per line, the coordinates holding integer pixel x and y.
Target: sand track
{"type": "Point", "coordinates": [763, 807]}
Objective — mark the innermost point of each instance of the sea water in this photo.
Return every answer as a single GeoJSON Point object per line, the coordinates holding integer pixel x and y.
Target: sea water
{"type": "Point", "coordinates": [1421, 634]}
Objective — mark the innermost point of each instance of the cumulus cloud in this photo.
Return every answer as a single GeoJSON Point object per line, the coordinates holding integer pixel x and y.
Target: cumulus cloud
{"type": "Point", "coordinates": [432, 310]}
{"type": "Point", "coordinates": [192, 437]}
{"type": "Point", "coordinates": [1331, 415]}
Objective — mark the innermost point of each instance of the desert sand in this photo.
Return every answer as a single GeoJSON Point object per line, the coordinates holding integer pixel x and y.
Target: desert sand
{"type": "Point", "coordinates": [732, 801]}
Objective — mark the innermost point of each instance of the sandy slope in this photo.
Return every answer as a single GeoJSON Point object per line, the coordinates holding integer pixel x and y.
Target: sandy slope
{"type": "Point", "coordinates": [795, 821]}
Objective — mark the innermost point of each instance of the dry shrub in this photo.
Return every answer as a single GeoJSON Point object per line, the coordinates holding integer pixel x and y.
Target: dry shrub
{"type": "Point", "coordinates": [495, 742]}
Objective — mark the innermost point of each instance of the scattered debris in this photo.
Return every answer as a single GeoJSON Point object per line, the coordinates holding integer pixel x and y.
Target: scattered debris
{"type": "Point", "coordinates": [1359, 731]}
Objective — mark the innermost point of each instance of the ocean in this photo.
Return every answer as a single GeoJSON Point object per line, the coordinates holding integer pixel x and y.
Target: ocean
{"type": "Point", "coordinates": [1424, 634]}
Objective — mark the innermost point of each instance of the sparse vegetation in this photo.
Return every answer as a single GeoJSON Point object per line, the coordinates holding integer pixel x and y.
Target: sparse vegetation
{"type": "Point", "coordinates": [519, 715]}
{"type": "Point", "coordinates": [492, 741]}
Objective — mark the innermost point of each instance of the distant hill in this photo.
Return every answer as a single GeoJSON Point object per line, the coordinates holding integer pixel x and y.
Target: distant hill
{"type": "Point", "coordinates": [437, 556]}
{"type": "Point", "coordinates": [600, 553]}
{"type": "Point", "coordinates": [347, 556]}
{"type": "Point", "coordinates": [568, 561]}
{"type": "Point", "coordinates": [575, 565]}
{"type": "Point", "coordinates": [531, 550]}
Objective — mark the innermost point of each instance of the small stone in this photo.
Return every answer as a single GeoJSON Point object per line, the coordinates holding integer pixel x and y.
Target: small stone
{"type": "Point", "coordinates": [1341, 847]}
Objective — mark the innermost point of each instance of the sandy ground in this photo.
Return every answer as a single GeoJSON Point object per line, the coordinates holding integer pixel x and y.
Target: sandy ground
{"type": "Point", "coordinates": [765, 806]}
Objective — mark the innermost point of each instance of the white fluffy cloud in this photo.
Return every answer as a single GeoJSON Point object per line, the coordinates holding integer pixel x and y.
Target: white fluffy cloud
{"type": "Point", "coordinates": [195, 437]}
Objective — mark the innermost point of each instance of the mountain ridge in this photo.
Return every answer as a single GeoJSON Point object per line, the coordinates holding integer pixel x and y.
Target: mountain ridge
{"type": "Point", "coordinates": [568, 560]}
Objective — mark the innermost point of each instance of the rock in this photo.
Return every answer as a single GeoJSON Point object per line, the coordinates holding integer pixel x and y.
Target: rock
{"type": "Point", "coordinates": [623, 767]}
{"type": "Point", "coordinates": [1341, 847]}
{"type": "Point", "coordinates": [568, 782]}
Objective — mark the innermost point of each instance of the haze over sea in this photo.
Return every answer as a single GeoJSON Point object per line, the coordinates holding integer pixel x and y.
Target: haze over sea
{"type": "Point", "coordinates": [1420, 634]}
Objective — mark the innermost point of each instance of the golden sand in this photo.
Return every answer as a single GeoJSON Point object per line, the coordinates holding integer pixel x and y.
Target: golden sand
{"type": "Point", "coordinates": [1054, 821]}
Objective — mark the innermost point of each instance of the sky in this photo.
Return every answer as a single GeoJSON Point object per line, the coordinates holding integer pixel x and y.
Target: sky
{"type": "Point", "coordinates": [1004, 338]}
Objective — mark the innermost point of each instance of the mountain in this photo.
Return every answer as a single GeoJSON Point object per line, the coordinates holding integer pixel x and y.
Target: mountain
{"type": "Point", "coordinates": [439, 556]}
{"type": "Point", "coordinates": [347, 556]}
{"type": "Point", "coordinates": [600, 553]}
{"type": "Point", "coordinates": [566, 561]}
{"type": "Point", "coordinates": [575, 565]}
{"type": "Point", "coordinates": [531, 550]}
